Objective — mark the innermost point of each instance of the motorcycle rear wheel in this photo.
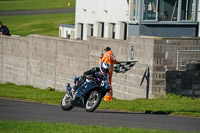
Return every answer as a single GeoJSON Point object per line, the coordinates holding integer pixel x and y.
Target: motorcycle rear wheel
{"type": "Point", "coordinates": [66, 102]}
{"type": "Point", "coordinates": [93, 101]}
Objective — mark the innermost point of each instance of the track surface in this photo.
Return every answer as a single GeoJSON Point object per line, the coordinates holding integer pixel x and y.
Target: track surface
{"type": "Point", "coordinates": [35, 12]}
{"type": "Point", "coordinates": [18, 110]}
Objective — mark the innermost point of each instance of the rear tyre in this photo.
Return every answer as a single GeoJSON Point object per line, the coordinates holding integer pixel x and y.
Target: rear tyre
{"type": "Point", "coordinates": [93, 101]}
{"type": "Point", "coordinates": [66, 102]}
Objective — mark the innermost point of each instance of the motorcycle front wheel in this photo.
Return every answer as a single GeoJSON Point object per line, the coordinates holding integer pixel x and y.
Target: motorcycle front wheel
{"type": "Point", "coordinates": [93, 101]}
{"type": "Point", "coordinates": [66, 102]}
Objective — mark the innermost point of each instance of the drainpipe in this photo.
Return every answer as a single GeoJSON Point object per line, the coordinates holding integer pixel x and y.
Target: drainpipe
{"type": "Point", "coordinates": [132, 52]}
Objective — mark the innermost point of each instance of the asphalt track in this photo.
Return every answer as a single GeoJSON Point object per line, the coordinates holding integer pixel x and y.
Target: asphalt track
{"type": "Point", "coordinates": [19, 110]}
{"type": "Point", "coordinates": [36, 12]}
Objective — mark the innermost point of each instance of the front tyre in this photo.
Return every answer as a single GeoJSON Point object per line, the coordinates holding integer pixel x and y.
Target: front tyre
{"type": "Point", "coordinates": [66, 102]}
{"type": "Point", "coordinates": [93, 101]}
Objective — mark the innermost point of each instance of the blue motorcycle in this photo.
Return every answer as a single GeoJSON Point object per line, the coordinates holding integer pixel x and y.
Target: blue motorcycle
{"type": "Point", "coordinates": [88, 95]}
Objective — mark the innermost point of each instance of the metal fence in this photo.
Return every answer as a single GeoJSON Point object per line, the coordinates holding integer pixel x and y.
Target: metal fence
{"type": "Point", "coordinates": [187, 56]}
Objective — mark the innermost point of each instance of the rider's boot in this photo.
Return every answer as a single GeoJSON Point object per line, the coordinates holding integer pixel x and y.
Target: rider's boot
{"type": "Point", "coordinates": [73, 91]}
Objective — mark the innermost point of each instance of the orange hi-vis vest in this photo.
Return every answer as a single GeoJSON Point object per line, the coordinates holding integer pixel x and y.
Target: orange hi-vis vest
{"type": "Point", "coordinates": [109, 58]}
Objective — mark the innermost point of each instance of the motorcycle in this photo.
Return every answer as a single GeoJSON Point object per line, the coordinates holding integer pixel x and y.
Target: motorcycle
{"type": "Point", "coordinates": [88, 95]}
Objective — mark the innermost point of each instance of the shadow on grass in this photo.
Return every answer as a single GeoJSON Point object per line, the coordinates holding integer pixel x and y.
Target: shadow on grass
{"type": "Point", "coordinates": [123, 112]}
{"type": "Point", "coordinates": [114, 112]}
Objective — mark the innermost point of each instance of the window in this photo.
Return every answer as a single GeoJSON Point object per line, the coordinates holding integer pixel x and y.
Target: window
{"type": "Point", "coordinates": [72, 34]}
{"type": "Point", "coordinates": [187, 10]}
{"type": "Point", "coordinates": [111, 33]}
{"type": "Point", "coordinates": [80, 31]}
{"type": "Point", "coordinates": [90, 30]}
{"type": "Point", "coordinates": [133, 7]}
{"type": "Point", "coordinates": [150, 9]}
{"type": "Point", "coordinates": [168, 10]}
{"type": "Point", "coordinates": [123, 30]}
{"type": "Point", "coordinates": [131, 12]}
{"type": "Point", "coordinates": [67, 35]}
{"type": "Point", "coordinates": [101, 29]}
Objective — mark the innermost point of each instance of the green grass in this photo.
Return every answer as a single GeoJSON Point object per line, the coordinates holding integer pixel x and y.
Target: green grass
{"type": "Point", "coordinates": [35, 4]}
{"type": "Point", "coordinates": [37, 24]}
{"type": "Point", "coordinates": [169, 105]}
{"type": "Point", "coordinates": [44, 127]}
{"type": "Point", "coordinates": [30, 93]}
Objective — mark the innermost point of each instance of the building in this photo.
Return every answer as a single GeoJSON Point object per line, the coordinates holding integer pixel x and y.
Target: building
{"type": "Point", "coordinates": [168, 18]}
{"type": "Point", "coordinates": [66, 31]}
{"type": "Point", "coordinates": [101, 18]}
{"type": "Point", "coordinates": [118, 19]}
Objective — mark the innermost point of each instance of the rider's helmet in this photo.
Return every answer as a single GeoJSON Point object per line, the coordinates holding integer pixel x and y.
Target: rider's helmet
{"type": "Point", "coordinates": [105, 67]}
{"type": "Point", "coordinates": [76, 79]}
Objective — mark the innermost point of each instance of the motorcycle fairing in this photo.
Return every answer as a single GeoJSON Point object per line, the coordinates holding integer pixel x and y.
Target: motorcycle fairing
{"type": "Point", "coordinates": [82, 92]}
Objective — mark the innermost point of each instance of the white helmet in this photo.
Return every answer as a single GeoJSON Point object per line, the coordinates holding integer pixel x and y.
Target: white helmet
{"type": "Point", "coordinates": [105, 67]}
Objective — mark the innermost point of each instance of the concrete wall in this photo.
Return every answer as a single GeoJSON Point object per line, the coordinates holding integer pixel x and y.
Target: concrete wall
{"type": "Point", "coordinates": [43, 61]}
{"type": "Point", "coordinates": [127, 86]}
{"type": "Point", "coordinates": [14, 59]}
{"type": "Point", "coordinates": [55, 61]}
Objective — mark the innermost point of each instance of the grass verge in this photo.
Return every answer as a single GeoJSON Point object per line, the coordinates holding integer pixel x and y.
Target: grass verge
{"type": "Point", "coordinates": [29, 93]}
{"type": "Point", "coordinates": [35, 4]}
{"type": "Point", "coordinates": [44, 127]}
{"type": "Point", "coordinates": [170, 104]}
{"type": "Point", "coordinates": [37, 24]}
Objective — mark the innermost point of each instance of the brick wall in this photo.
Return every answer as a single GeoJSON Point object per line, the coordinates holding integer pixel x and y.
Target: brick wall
{"type": "Point", "coordinates": [165, 59]}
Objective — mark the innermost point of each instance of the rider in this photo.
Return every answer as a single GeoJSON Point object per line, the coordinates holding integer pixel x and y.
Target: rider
{"type": "Point", "coordinates": [101, 71]}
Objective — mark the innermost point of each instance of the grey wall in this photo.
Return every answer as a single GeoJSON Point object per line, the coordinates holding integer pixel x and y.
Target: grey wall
{"type": "Point", "coordinates": [44, 61]}
{"type": "Point", "coordinates": [14, 59]}
{"type": "Point", "coordinates": [164, 30]}
{"type": "Point", "coordinates": [133, 30]}
{"type": "Point", "coordinates": [53, 62]}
